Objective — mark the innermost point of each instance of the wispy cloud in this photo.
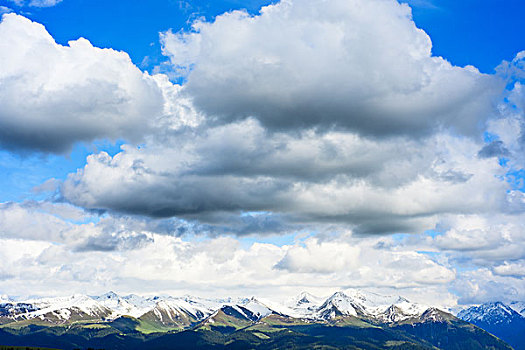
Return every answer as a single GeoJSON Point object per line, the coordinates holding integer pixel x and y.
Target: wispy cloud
{"type": "Point", "coordinates": [36, 3]}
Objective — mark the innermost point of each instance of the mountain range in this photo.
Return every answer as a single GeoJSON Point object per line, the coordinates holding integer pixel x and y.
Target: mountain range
{"type": "Point", "coordinates": [506, 321]}
{"type": "Point", "coordinates": [350, 320]}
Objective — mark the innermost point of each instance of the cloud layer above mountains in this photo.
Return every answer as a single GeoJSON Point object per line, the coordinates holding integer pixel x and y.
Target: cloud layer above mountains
{"type": "Point", "coordinates": [331, 122]}
{"type": "Point", "coordinates": [133, 254]}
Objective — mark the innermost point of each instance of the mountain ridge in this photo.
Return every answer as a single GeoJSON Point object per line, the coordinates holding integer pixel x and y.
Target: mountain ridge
{"type": "Point", "coordinates": [111, 306]}
{"type": "Point", "coordinates": [128, 322]}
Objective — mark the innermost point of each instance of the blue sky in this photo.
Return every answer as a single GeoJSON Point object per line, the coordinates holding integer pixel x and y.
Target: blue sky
{"type": "Point", "coordinates": [479, 33]}
{"type": "Point", "coordinates": [318, 142]}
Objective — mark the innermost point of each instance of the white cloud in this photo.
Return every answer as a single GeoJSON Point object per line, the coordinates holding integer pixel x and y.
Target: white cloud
{"type": "Point", "coordinates": [53, 96]}
{"type": "Point", "coordinates": [513, 269]}
{"type": "Point", "coordinates": [33, 222]}
{"type": "Point", "coordinates": [320, 257]}
{"type": "Point", "coordinates": [362, 65]}
{"type": "Point", "coordinates": [173, 265]}
{"type": "Point", "coordinates": [67, 225]}
{"type": "Point", "coordinates": [486, 240]}
{"type": "Point", "coordinates": [482, 285]}
{"type": "Point", "coordinates": [47, 254]}
{"type": "Point", "coordinates": [488, 251]}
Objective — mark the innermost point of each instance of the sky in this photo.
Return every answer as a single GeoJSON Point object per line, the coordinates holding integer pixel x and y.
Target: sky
{"type": "Point", "coordinates": [238, 148]}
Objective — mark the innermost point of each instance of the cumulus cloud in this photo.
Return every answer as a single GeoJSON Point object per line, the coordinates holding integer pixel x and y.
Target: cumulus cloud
{"type": "Point", "coordinates": [30, 221]}
{"type": "Point", "coordinates": [487, 250]}
{"type": "Point", "coordinates": [482, 285]}
{"type": "Point", "coordinates": [53, 96]}
{"type": "Point", "coordinates": [483, 240]}
{"type": "Point", "coordinates": [513, 269]}
{"type": "Point", "coordinates": [320, 257]}
{"type": "Point", "coordinates": [375, 186]}
{"type": "Point", "coordinates": [150, 256]}
{"type": "Point", "coordinates": [372, 185]}
{"type": "Point", "coordinates": [70, 226]}
{"type": "Point", "coordinates": [360, 65]}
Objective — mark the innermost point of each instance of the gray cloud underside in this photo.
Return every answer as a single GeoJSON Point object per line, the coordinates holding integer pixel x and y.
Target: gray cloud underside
{"type": "Point", "coordinates": [375, 186]}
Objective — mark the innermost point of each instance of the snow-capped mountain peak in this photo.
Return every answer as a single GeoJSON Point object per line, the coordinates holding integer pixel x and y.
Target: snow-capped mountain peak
{"type": "Point", "coordinates": [108, 295]}
{"type": "Point", "coordinates": [370, 305]}
{"type": "Point", "coordinates": [131, 305]}
{"type": "Point", "coordinates": [183, 311]}
{"type": "Point", "coordinates": [491, 313]}
{"type": "Point", "coordinates": [339, 304]}
{"type": "Point", "coordinates": [257, 308]}
{"type": "Point", "coordinates": [435, 315]}
{"type": "Point", "coordinates": [305, 298]}
{"type": "Point", "coordinates": [518, 306]}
